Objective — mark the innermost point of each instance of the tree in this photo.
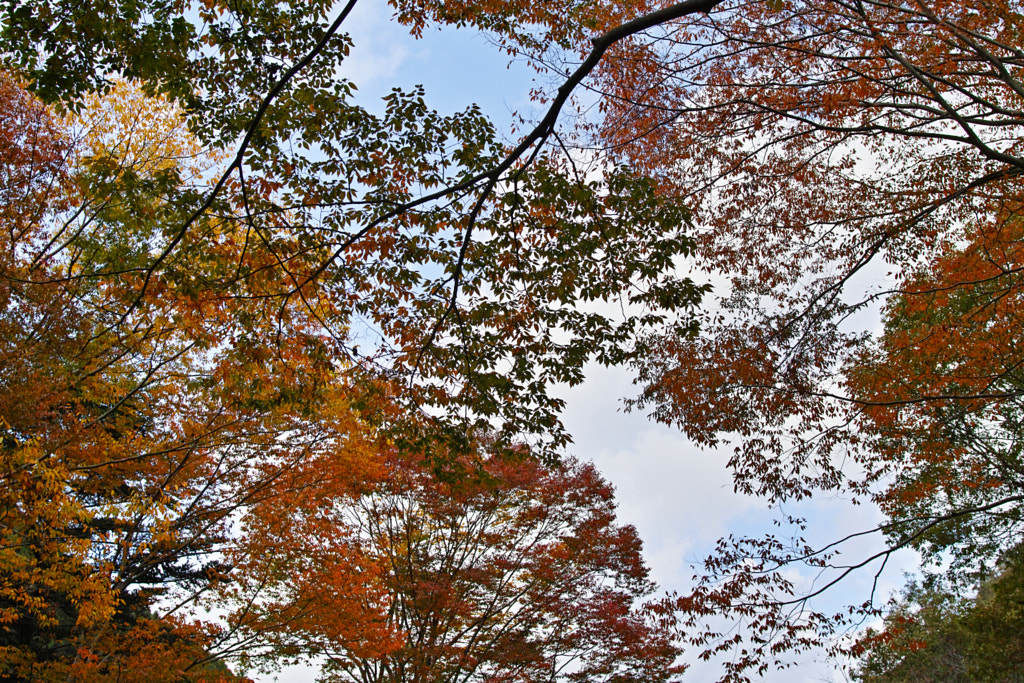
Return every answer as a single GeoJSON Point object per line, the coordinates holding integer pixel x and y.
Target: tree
{"type": "Point", "coordinates": [132, 441]}
{"type": "Point", "coordinates": [782, 102]}
{"type": "Point", "coordinates": [502, 570]}
{"type": "Point", "coordinates": [954, 459]}
{"type": "Point", "coordinates": [822, 145]}
{"type": "Point", "coordinates": [477, 262]}
{"type": "Point", "coordinates": [935, 633]}
{"type": "Point", "coordinates": [205, 338]}
{"type": "Point", "coordinates": [151, 410]}
{"type": "Point", "coordinates": [810, 139]}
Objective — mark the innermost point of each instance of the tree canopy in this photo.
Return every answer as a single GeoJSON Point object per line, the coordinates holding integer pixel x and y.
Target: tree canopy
{"type": "Point", "coordinates": [935, 633]}
{"type": "Point", "coordinates": [504, 569]}
{"type": "Point", "coordinates": [412, 221]}
{"type": "Point", "coordinates": [841, 158]}
{"type": "Point", "coordinates": [203, 224]}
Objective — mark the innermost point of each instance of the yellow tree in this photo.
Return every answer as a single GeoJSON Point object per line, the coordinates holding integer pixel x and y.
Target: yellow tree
{"type": "Point", "coordinates": [138, 428]}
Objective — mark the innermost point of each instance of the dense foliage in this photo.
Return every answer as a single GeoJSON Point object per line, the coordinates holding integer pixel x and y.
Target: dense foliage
{"type": "Point", "coordinates": [132, 437]}
{"type": "Point", "coordinates": [502, 570]}
{"type": "Point", "coordinates": [186, 438]}
{"type": "Point", "coordinates": [935, 633]}
{"type": "Point", "coordinates": [474, 262]}
{"type": "Point", "coordinates": [191, 259]}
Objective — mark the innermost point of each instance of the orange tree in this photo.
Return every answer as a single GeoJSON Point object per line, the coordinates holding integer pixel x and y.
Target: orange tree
{"type": "Point", "coordinates": [204, 362]}
{"type": "Point", "coordinates": [815, 142]}
{"type": "Point", "coordinates": [132, 440]}
{"type": "Point", "coordinates": [499, 569]}
{"type": "Point", "coordinates": [944, 386]}
{"type": "Point", "coordinates": [57, 597]}
{"type": "Point", "coordinates": [840, 157]}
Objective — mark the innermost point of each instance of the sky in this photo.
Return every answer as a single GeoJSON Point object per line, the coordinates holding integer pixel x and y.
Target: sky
{"type": "Point", "coordinates": [679, 498]}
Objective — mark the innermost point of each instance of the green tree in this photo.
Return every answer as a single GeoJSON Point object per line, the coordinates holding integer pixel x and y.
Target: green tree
{"type": "Point", "coordinates": [477, 261]}
{"type": "Point", "coordinates": [936, 633]}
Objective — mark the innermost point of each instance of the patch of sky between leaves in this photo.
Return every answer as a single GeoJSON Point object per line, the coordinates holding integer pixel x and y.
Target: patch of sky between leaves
{"type": "Point", "coordinates": [457, 67]}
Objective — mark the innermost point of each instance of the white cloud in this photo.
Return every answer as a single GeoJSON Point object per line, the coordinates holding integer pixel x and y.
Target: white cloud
{"type": "Point", "coordinates": [381, 46]}
{"type": "Point", "coordinates": [679, 497]}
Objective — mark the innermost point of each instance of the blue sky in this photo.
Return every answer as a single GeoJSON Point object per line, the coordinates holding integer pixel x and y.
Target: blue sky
{"type": "Point", "coordinates": [457, 67]}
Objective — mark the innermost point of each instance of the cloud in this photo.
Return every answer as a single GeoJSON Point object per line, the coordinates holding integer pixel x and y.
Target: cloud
{"type": "Point", "coordinates": [380, 45]}
{"type": "Point", "coordinates": [679, 497]}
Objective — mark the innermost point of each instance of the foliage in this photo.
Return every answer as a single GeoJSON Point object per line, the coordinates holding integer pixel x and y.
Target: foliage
{"type": "Point", "coordinates": [131, 440]}
{"type": "Point", "coordinates": [210, 312]}
{"type": "Point", "coordinates": [935, 634]}
{"type": "Point", "coordinates": [182, 344]}
{"type": "Point", "coordinates": [827, 145]}
{"type": "Point", "coordinates": [414, 225]}
{"type": "Point", "coordinates": [177, 366]}
{"type": "Point", "coordinates": [839, 158]}
{"type": "Point", "coordinates": [501, 570]}
{"type": "Point", "coordinates": [955, 458]}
